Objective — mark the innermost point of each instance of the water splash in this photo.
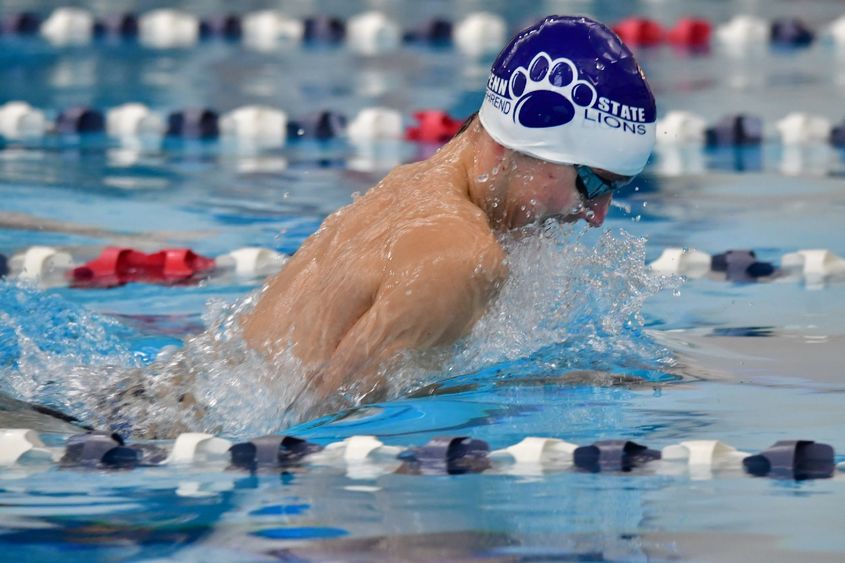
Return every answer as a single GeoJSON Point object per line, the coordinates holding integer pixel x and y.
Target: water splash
{"type": "Point", "coordinates": [44, 341]}
{"type": "Point", "coordinates": [567, 304]}
{"type": "Point", "coordinates": [214, 383]}
{"type": "Point", "coordinates": [57, 353]}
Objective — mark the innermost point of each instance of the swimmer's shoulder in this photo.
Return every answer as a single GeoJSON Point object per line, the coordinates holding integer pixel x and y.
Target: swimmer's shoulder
{"type": "Point", "coordinates": [451, 241]}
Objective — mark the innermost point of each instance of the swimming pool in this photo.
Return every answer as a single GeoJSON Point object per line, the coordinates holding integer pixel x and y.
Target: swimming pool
{"type": "Point", "coordinates": [745, 363]}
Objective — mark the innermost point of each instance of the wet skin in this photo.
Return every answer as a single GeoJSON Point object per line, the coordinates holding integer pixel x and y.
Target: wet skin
{"type": "Point", "coordinates": [410, 265]}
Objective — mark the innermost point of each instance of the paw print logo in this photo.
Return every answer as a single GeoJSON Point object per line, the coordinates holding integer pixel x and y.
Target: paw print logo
{"type": "Point", "coordinates": [548, 92]}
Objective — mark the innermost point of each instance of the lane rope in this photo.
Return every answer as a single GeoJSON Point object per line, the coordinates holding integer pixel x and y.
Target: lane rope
{"type": "Point", "coordinates": [114, 266]}
{"type": "Point", "coordinates": [374, 32]}
{"type": "Point", "coordinates": [367, 457]}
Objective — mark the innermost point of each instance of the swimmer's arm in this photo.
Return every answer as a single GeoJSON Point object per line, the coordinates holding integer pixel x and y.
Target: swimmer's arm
{"type": "Point", "coordinates": [431, 298]}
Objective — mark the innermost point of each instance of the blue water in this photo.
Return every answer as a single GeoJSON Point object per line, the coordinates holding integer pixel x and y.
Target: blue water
{"type": "Point", "coordinates": [746, 364]}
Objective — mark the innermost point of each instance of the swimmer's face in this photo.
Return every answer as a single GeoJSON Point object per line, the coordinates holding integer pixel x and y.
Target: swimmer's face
{"type": "Point", "coordinates": [540, 190]}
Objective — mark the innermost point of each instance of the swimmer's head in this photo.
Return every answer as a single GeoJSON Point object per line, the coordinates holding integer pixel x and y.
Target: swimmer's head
{"type": "Point", "coordinates": [568, 91]}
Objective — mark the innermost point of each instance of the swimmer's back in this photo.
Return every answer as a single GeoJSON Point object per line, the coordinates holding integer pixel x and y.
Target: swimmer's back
{"type": "Point", "coordinates": [409, 219]}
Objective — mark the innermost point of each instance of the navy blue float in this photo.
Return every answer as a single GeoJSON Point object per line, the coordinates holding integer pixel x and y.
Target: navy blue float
{"type": "Point", "coordinates": [193, 123]}
{"type": "Point", "coordinates": [228, 27]}
{"type": "Point", "coordinates": [270, 452]}
{"type": "Point", "coordinates": [613, 455]}
{"type": "Point", "coordinates": [104, 450]}
{"type": "Point", "coordinates": [741, 266]}
{"type": "Point", "coordinates": [837, 135]}
{"type": "Point", "coordinates": [324, 29]}
{"type": "Point", "coordinates": [436, 30]}
{"type": "Point", "coordinates": [791, 32]}
{"type": "Point", "coordinates": [4, 265]}
{"type": "Point", "coordinates": [322, 126]}
{"type": "Point", "coordinates": [447, 455]}
{"type": "Point", "coordinates": [738, 129]}
{"type": "Point", "coordinates": [124, 26]}
{"type": "Point", "coordinates": [793, 459]}
{"type": "Point", "coordinates": [80, 120]}
{"type": "Point", "coordinates": [21, 23]}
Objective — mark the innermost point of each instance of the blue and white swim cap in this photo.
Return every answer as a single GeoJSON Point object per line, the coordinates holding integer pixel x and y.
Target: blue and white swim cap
{"type": "Point", "coordinates": [567, 90]}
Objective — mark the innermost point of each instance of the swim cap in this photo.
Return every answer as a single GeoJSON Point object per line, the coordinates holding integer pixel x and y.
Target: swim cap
{"type": "Point", "coordinates": [567, 90]}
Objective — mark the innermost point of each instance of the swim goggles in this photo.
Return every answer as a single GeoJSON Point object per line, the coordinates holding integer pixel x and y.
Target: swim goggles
{"type": "Point", "coordinates": [591, 185]}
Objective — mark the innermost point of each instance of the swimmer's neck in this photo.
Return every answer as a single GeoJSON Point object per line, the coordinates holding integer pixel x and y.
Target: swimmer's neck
{"type": "Point", "coordinates": [477, 158]}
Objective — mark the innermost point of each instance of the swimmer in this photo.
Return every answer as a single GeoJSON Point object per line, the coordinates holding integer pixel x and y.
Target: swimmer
{"type": "Point", "coordinates": [567, 118]}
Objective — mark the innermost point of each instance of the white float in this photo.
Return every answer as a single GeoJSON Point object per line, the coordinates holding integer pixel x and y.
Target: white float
{"type": "Point", "coordinates": [197, 447]}
{"type": "Point", "coordinates": [68, 26]}
{"type": "Point", "coordinates": [375, 123]}
{"type": "Point", "coordinates": [689, 262]}
{"type": "Point", "coordinates": [480, 33]}
{"type": "Point", "coordinates": [19, 120]}
{"type": "Point", "coordinates": [358, 449]}
{"type": "Point", "coordinates": [744, 32]}
{"type": "Point", "coordinates": [836, 31]}
{"type": "Point", "coordinates": [372, 32]}
{"type": "Point", "coordinates": [40, 263]}
{"type": "Point", "coordinates": [134, 120]}
{"type": "Point", "coordinates": [802, 128]}
{"type": "Point", "coordinates": [263, 30]}
{"type": "Point", "coordinates": [165, 29]}
{"type": "Point", "coordinates": [364, 457]}
{"type": "Point", "coordinates": [252, 261]}
{"type": "Point", "coordinates": [533, 450]}
{"type": "Point", "coordinates": [261, 125]}
{"type": "Point", "coordinates": [710, 453]}
{"type": "Point", "coordinates": [815, 265]}
{"type": "Point", "coordinates": [681, 127]}
{"type": "Point", "coordinates": [21, 445]}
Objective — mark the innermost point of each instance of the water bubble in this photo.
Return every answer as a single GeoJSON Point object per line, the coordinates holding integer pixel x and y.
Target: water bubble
{"type": "Point", "coordinates": [482, 178]}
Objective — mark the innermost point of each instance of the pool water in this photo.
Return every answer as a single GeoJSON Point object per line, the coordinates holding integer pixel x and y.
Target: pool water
{"type": "Point", "coordinates": [748, 364]}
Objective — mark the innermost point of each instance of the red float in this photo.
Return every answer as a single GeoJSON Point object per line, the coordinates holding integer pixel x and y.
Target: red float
{"type": "Point", "coordinates": [435, 126]}
{"type": "Point", "coordinates": [639, 31]}
{"type": "Point", "coordinates": [690, 32]}
{"type": "Point", "coordinates": [117, 266]}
